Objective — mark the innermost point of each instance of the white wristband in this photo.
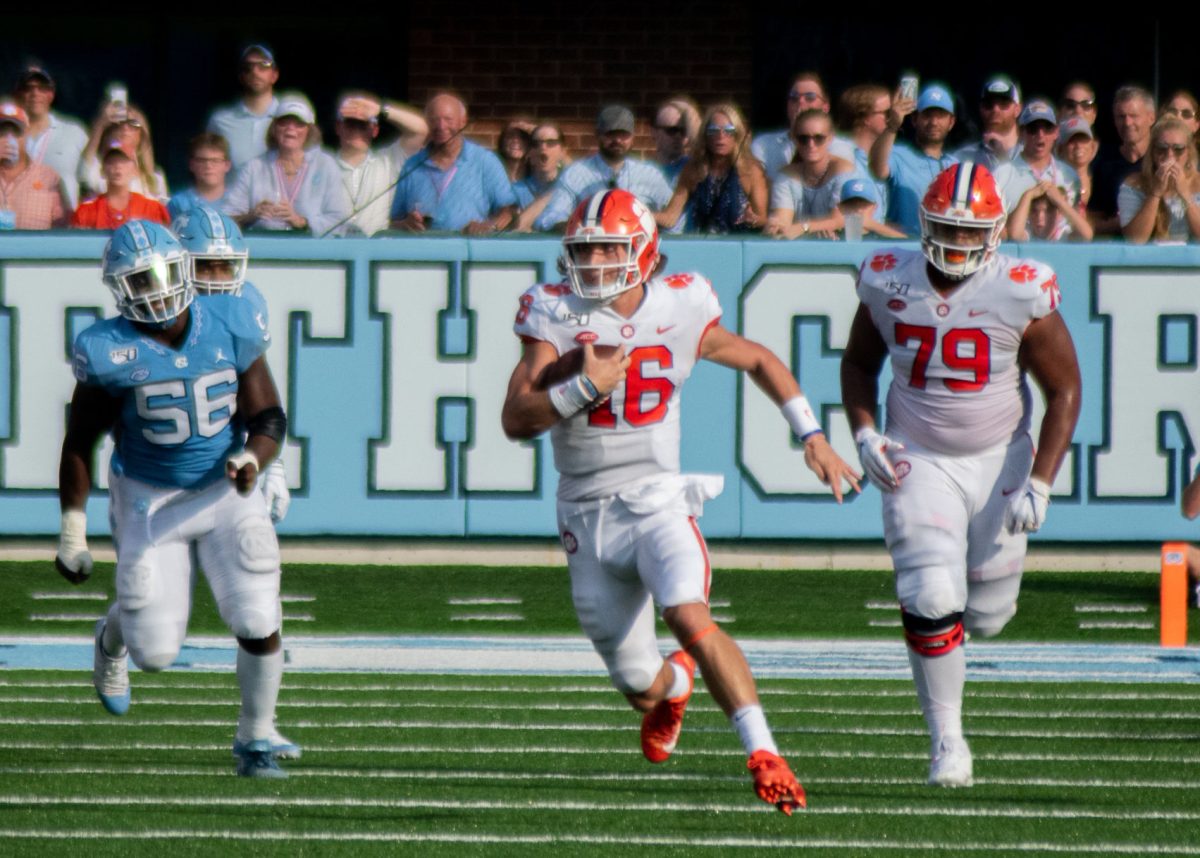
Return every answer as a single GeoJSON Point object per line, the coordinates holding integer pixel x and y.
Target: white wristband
{"type": "Point", "coordinates": [73, 531]}
{"type": "Point", "coordinates": [573, 395]}
{"type": "Point", "coordinates": [799, 416]}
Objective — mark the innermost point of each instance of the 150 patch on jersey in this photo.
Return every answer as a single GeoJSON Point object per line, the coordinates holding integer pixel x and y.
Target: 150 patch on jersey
{"type": "Point", "coordinates": [125, 355]}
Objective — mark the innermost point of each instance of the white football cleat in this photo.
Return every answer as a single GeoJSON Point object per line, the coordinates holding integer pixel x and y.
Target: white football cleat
{"type": "Point", "coordinates": [282, 748]}
{"type": "Point", "coordinates": [950, 765]}
{"type": "Point", "coordinates": [110, 675]}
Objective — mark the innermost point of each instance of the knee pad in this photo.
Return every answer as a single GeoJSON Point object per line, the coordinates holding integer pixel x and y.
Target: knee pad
{"type": "Point", "coordinates": [250, 623]}
{"type": "Point", "coordinates": [933, 637]}
{"type": "Point", "coordinates": [631, 673]}
{"type": "Point", "coordinates": [152, 662]}
{"type": "Point", "coordinates": [988, 625]}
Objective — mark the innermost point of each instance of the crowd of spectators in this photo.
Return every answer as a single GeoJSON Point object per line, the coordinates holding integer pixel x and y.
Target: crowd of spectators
{"type": "Point", "coordinates": [262, 161]}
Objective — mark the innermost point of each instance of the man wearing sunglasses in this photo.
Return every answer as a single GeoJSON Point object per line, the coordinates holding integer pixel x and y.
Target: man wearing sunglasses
{"type": "Point", "coordinates": [51, 139]}
{"type": "Point", "coordinates": [999, 109]}
{"type": "Point", "coordinates": [776, 149]}
{"type": "Point", "coordinates": [244, 123]}
{"type": "Point", "coordinates": [675, 127]}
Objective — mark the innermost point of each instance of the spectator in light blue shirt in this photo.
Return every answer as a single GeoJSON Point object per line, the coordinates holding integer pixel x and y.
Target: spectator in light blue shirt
{"type": "Point", "coordinates": [909, 170]}
{"type": "Point", "coordinates": [676, 126]}
{"type": "Point", "coordinates": [608, 168]}
{"type": "Point", "coordinates": [208, 160]}
{"type": "Point", "coordinates": [452, 184]}
{"type": "Point", "coordinates": [245, 122]}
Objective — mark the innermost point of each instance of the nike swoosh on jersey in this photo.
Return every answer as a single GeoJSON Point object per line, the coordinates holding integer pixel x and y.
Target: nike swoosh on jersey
{"type": "Point", "coordinates": [664, 329]}
{"type": "Point", "coordinates": [974, 313]}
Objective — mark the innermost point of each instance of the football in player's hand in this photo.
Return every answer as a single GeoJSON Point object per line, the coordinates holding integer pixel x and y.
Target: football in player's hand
{"type": "Point", "coordinates": [569, 364]}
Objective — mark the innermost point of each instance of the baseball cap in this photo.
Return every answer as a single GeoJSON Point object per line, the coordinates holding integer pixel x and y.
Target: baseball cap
{"type": "Point", "coordinates": [1074, 126]}
{"type": "Point", "coordinates": [1037, 111]}
{"type": "Point", "coordinates": [1000, 86]}
{"type": "Point", "coordinates": [34, 71]}
{"type": "Point", "coordinates": [297, 105]}
{"type": "Point", "coordinates": [258, 48]}
{"type": "Point", "coordinates": [858, 189]}
{"type": "Point", "coordinates": [13, 113]}
{"type": "Point", "coordinates": [115, 146]}
{"type": "Point", "coordinates": [615, 117]}
{"type": "Point", "coordinates": [935, 95]}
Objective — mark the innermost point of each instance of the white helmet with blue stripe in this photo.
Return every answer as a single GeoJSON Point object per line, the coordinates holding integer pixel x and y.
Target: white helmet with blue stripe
{"type": "Point", "coordinates": [217, 253]}
{"type": "Point", "coordinates": [144, 268]}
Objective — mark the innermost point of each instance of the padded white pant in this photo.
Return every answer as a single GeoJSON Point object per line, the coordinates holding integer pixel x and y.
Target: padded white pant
{"type": "Point", "coordinates": [160, 533]}
{"type": "Point", "coordinates": [621, 562]}
{"type": "Point", "coordinates": [945, 530]}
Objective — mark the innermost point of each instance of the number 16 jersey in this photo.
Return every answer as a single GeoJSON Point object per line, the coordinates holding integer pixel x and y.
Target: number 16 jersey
{"type": "Point", "coordinates": [635, 434]}
{"type": "Point", "coordinates": [956, 386]}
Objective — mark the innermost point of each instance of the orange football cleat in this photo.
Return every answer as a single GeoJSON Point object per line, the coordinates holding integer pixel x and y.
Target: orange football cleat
{"type": "Point", "coordinates": [775, 783]}
{"type": "Point", "coordinates": [661, 725]}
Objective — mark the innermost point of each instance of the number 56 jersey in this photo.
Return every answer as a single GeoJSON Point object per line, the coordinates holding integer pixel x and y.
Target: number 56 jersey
{"type": "Point", "coordinates": [177, 405]}
{"type": "Point", "coordinates": [956, 385]}
{"type": "Point", "coordinates": [635, 434]}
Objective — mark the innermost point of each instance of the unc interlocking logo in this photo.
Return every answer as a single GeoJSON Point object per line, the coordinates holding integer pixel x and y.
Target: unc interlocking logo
{"type": "Point", "coordinates": [883, 262]}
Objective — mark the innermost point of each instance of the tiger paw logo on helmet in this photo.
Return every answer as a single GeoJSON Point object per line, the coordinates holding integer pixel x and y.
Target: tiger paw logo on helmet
{"type": "Point", "coordinates": [1022, 273]}
{"type": "Point", "coordinates": [883, 262]}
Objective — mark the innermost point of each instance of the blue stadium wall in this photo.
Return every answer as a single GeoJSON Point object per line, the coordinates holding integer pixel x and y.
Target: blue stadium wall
{"type": "Point", "coordinates": [393, 356]}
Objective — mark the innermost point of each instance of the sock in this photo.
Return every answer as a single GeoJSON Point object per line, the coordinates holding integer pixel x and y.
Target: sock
{"type": "Point", "coordinates": [751, 725]}
{"type": "Point", "coordinates": [940, 681]}
{"type": "Point", "coordinates": [259, 678]}
{"type": "Point", "coordinates": [112, 641]}
{"type": "Point", "coordinates": [681, 683]}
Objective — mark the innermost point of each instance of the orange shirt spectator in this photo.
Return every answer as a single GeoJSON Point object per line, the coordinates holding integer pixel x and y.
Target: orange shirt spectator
{"type": "Point", "coordinates": [118, 205]}
{"type": "Point", "coordinates": [31, 195]}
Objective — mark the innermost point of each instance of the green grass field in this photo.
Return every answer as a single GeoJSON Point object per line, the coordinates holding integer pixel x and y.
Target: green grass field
{"type": "Point", "coordinates": [521, 765]}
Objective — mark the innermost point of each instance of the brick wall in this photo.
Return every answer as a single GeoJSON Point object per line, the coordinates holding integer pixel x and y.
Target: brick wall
{"type": "Point", "coordinates": [564, 65]}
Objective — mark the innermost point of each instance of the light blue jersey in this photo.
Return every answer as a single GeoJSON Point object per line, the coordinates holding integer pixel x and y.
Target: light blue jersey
{"type": "Point", "coordinates": [177, 414]}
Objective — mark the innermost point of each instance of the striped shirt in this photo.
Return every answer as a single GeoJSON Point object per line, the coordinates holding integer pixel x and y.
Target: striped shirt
{"type": "Point", "coordinates": [472, 189]}
{"type": "Point", "coordinates": [584, 178]}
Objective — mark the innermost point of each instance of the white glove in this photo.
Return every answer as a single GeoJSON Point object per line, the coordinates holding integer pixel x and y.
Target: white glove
{"type": "Point", "coordinates": [1027, 508]}
{"type": "Point", "coordinates": [73, 561]}
{"type": "Point", "coordinates": [872, 453]}
{"type": "Point", "coordinates": [275, 490]}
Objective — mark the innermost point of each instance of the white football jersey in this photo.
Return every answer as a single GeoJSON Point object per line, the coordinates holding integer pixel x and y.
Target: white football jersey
{"type": "Point", "coordinates": [956, 385]}
{"type": "Point", "coordinates": [636, 433]}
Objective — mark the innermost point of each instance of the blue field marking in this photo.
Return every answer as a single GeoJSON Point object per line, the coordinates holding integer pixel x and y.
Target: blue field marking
{"type": "Point", "coordinates": [573, 656]}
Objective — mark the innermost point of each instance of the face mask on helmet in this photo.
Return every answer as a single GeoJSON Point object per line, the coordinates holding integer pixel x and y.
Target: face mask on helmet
{"type": "Point", "coordinates": [145, 269]}
{"type": "Point", "coordinates": [601, 267]}
{"type": "Point", "coordinates": [218, 273]}
{"type": "Point", "coordinates": [217, 254]}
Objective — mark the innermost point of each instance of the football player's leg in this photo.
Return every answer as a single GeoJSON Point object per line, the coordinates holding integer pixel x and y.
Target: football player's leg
{"type": "Point", "coordinates": [613, 606]}
{"type": "Point", "coordinates": [240, 556]}
{"type": "Point", "coordinates": [925, 524]}
{"type": "Point", "coordinates": [995, 557]}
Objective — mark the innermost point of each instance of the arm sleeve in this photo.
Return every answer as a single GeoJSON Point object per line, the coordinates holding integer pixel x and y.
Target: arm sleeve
{"type": "Point", "coordinates": [557, 210]}
{"type": "Point", "coordinates": [333, 206]}
{"type": "Point", "coordinates": [1129, 203]}
{"type": "Point", "coordinates": [237, 199]}
{"type": "Point", "coordinates": [496, 184]}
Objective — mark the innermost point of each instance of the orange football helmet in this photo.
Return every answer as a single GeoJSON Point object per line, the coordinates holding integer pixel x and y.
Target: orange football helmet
{"type": "Point", "coordinates": [618, 219]}
{"type": "Point", "coordinates": [962, 217]}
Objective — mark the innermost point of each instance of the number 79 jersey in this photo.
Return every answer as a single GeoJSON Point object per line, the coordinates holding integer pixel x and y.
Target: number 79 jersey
{"type": "Point", "coordinates": [956, 385]}
{"type": "Point", "coordinates": [635, 434]}
{"type": "Point", "coordinates": [177, 406]}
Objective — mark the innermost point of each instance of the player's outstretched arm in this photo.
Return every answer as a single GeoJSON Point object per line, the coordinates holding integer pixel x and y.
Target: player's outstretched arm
{"type": "Point", "coordinates": [776, 380]}
{"type": "Point", "coordinates": [266, 425]}
{"type": "Point", "coordinates": [92, 413]}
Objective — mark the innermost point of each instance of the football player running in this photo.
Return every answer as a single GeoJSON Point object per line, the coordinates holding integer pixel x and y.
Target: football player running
{"type": "Point", "coordinates": [604, 356]}
{"type": "Point", "coordinates": [217, 261]}
{"type": "Point", "coordinates": [962, 484]}
{"type": "Point", "coordinates": [179, 381]}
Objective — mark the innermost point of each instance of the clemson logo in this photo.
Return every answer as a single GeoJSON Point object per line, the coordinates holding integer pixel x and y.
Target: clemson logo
{"type": "Point", "coordinates": [586, 337]}
{"type": "Point", "coordinates": [627, 331]}
{"type": "Point", "coordinates": [896, 304]}
{"type": "Point", "coordinates": [570, 543]}
{"type": "Point", "coordinates": [679, 281]}
{"type": "Point", "coordinates": [943, 310]}
{"type": "Point", "coordinates": [1022, 273]}
{"type": "Point", "coordinates": [559, 289]}
{"type": "Point", "coordinates": [883, 262]}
